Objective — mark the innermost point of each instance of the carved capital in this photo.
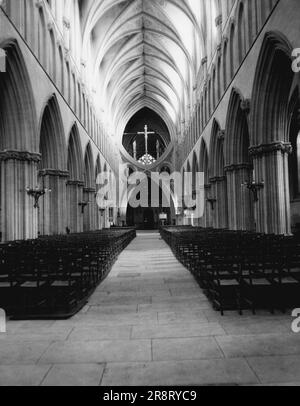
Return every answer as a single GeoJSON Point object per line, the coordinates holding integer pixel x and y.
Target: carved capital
{"type": "Point", "coordinates": [266, 149]}
{"type": "Point", "coordinates": [89, 190]}
{"type": "Point", "coordinates": [217, 179]}
{"type": "Point", "coordinates": [20, 156]}
{"type": "Point", "coordinates": [78, 183]}
{"type": "Point", "coordinates": [238, 167]}
{"type": "Point", "coordinates": [54, 173]}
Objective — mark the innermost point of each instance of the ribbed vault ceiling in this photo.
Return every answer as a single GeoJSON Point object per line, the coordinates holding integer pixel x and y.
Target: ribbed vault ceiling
{"type": "Point", "coordinates": [144, 53]}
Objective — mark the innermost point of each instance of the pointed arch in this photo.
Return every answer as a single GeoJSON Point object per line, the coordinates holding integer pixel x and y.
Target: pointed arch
{"type": "Point", "coordinates": [237, 141]}
{"type": "Point", "coordinates": [89, 170]}
{"type": "Point", "coordinates": [203, 161]}
{"type": "Point", "coordinates": [18, 147]}
{"type": "Point", "coordinates": [195, 170]}
{"type": "Point", "coordinates": [216, 153]}
{"type": "Point", "coordinates": [272, 84]}
{"type": "Point", "coordinates": [53, 170]}
{"type": "Point", "coordinates": [239, 164]}
{"type": "Point", "coordinates": [217, 177]}
{"type": "Point", "coordinates": [52, 138]}
{"type": "Point", "coordinates": [98, 166]}
{"type": "Point", "coordinates": [75, 156]}
{"type": "Point", "coordinates": [17, 110]}
{"type": "Point", "coordinates": [270, 131]}
{"type": "Point", "coordinates": [75, 183]}
{"type": "Point", "coordinates": [89, 190]}
{"type": "Point", "coordinates": [204, 168]}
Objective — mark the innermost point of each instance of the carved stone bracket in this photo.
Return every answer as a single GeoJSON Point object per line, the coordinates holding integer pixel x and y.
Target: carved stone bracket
{"type": "Point", "coordinates": [221, 135]}
{"type": "Point", "coordinates": [204, 61]}
{"type": "Point", "coordinates": [246, 105]}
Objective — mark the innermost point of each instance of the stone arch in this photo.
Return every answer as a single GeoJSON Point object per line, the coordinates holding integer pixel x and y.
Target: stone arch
{"type": "Point", "coordinates": [53, 171]}
{"type": "Point", "coordinates": [75, 183]}
{"type": "Point", "coordinates": [294, 158]}
{"type": "Point", "coordinates": [204, 168]}
{"type": "Point", "coordinates": [270, 125]}
{"type": "Point", "coordinates": [272, 85]}
{"type": "Point", "coordinates": [238, 164]}
{"type": "Point", "coordinates": [98, 215]}
{"type": "Point", "coordinates": [17, 109]}
{"type": "Point", "coordinates": [195, 169]}
{"type": "Point", "coordinates": [218, 178]}
{"type": "Point", "coordinates": [89, 190]}
{"type": "Point", "coordinates": [19, 155]}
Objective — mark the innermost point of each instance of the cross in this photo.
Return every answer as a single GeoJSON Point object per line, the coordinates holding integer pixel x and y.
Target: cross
{"type": "Point", "coordinates": [146, 133]}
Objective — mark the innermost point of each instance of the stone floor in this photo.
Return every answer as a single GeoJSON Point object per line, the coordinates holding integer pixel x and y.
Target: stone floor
{"type": "Point", "coordinates": [150, 324]}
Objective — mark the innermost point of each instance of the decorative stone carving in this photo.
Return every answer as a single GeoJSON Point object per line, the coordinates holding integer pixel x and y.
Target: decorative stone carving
{"type": "Point", "coordinates": [221, 135]}
{"type": "Point", "coordinates": [265, 149]}
{"type": "Point", "coordinates": [54, 172]}
{"type": "Point", "coordinates": [219, 20]}
{"type": "Point", "coordinates": [89, 190]}
{"type": "Point", "coordinates": [20, 156]}
{"type": "Point", "coordinates": [78, 183]}
{"type": "Point", "coordinates": [217, 179]}
{"type": "Point", "coordinates": [66, 23]}
{"type": "Point", "coordinates": [246, 105]}
{"type": "Point", "coordinates": [238, 167]}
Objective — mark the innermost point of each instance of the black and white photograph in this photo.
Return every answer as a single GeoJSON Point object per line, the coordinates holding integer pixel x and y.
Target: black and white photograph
{"type": "Point", "coordinates": [149, 196]}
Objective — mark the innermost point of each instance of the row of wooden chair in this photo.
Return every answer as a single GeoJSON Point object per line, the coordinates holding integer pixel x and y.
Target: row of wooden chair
{"type": "Point", "coordinates": [240, 270]}
{"type": "Point", "coordinates": [53, 276]}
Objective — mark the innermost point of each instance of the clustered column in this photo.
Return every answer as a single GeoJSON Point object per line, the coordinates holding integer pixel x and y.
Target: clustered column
{"type": "Point", "coordinates": [18, 216]}
{"type": "Point", "coordinates": [240, 212]}
{"type": "Point", "coordinates": [272, 210]}
{"type": "Point", "coordinates": [74, 198]}
{"type": "Point", "coordinates": [53, 208]}
{"type": "Point", "coordinates": [218, 201]}
{"type": "Point", "coordinates": [89, 210]}
{"type": "Point", "coordinates": [207, 218]}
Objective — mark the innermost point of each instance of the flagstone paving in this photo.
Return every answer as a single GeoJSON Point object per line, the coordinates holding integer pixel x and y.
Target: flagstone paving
{"type": "Point", "coordinates": [150, 324]}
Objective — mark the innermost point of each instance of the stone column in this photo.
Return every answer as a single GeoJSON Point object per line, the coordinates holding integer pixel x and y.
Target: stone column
{"type": "Point", "coordinates": [207, 218]}
{"type": "Point", "coordinates": [89, 210]}
{"type": "Point", "coordinates": [240, 207]}
{"type": "Point", "coordinates": [74, 197]}
{"type": "Point", "coordinates": [219, 192]}
{"type": "Point", "coordinates": [53, 205]}
{"type": "Point", "coordinates": [18, 215]}
{"type": "Point", "coordinates": [272, 210]}
{"type": "Point", "coordinates": [212, 203]}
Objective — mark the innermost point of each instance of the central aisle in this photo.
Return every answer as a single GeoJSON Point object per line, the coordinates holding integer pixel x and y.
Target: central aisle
{"type": "Point", "coordinates": [150, 324]}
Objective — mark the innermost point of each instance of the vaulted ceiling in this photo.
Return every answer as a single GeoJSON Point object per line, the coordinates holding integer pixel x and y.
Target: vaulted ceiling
{"type": "Point", "coordinates": [144, 53]}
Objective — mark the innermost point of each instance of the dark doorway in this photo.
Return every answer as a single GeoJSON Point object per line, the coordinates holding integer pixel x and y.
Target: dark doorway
{"type": "Point", "coordinates": [149, 219]}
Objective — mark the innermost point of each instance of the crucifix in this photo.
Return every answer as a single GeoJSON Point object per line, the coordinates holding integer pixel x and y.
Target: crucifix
{"type": "Point", "coordinates": [146, 133]}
